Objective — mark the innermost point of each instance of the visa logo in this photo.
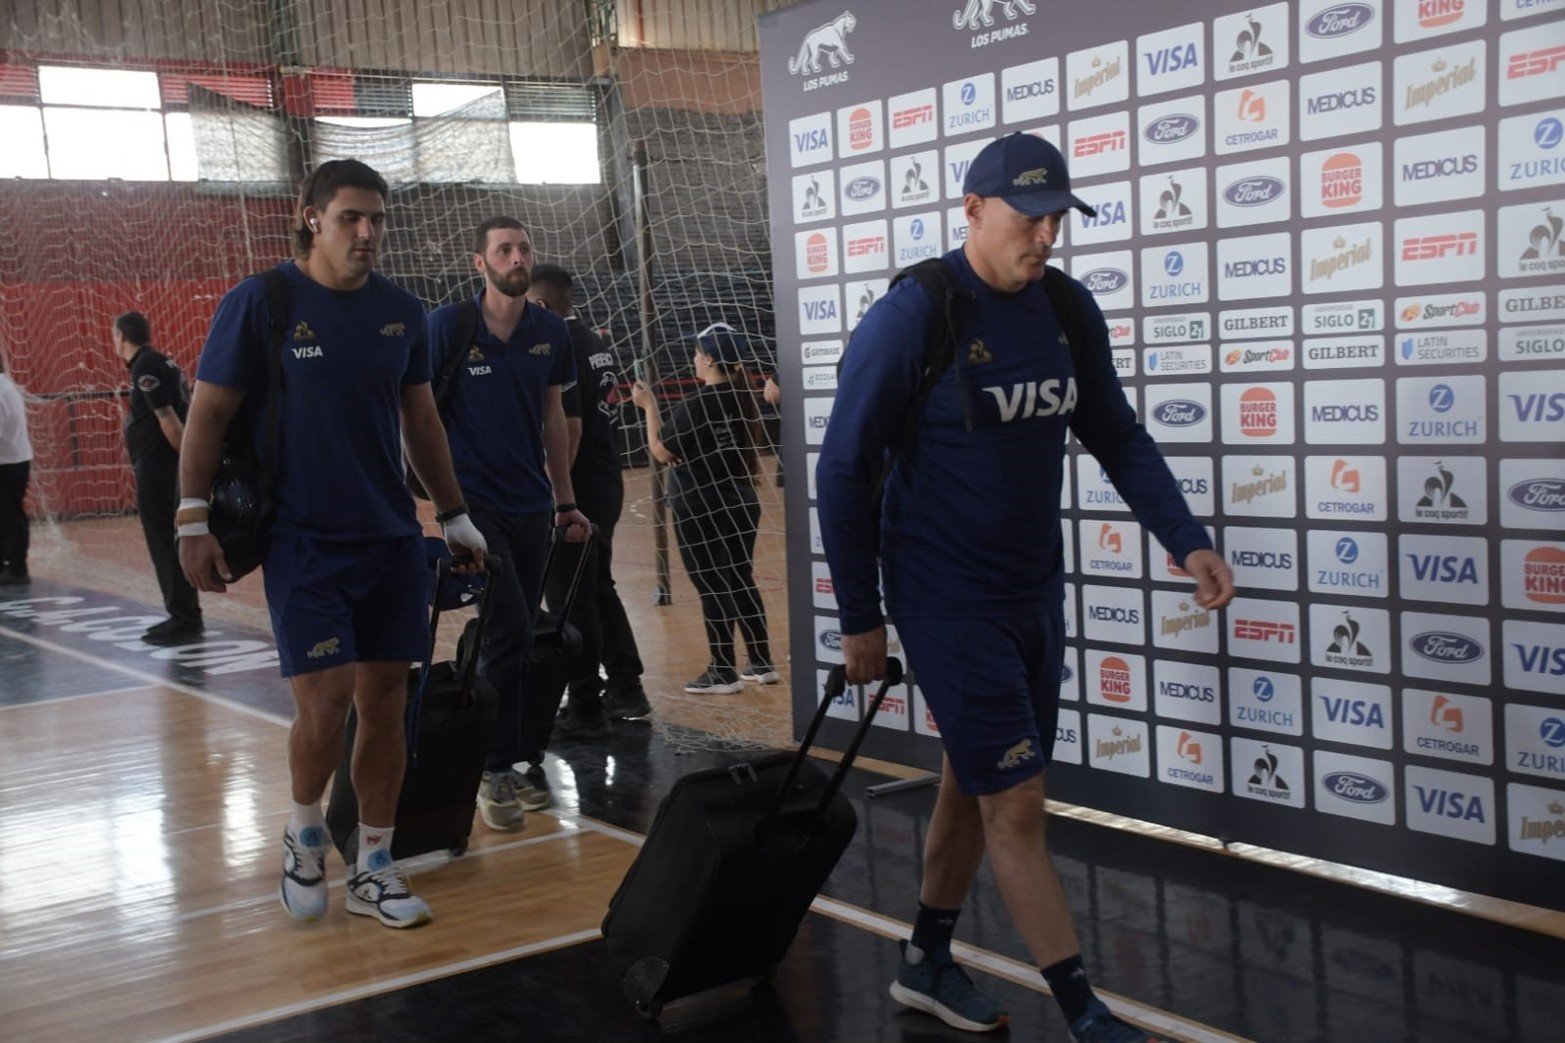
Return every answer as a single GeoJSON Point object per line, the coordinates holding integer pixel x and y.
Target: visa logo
{"type": "Point", "coordinates": [1541, 659]}
{"type": "Point", "coordinates": [812, 140]}
{"type": "Point", "coordinates": [959, 171]}
{"type": "Point", "coordinates": [1108, 214]}
{"type": "Point", "coordinates": [1444, 803]}
{"type": "Point", "coordinates": [817, 311]}
{"type": "Point", "coordinates": [1170, 59]}
{"type": "Point", "coordinates": [1539, 408]}
{"type": "Point", "coordinates": [1356, 712]}
{"type": "Point", "coordinates": [1443, 568]}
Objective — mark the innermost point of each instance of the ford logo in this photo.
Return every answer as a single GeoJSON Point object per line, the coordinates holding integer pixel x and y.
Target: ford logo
{"type": "Point", "coordinates": [1539, 494]}
{"type": "Point", "coordinates": [1105, 280]}
{"type": "Point", "coordinates": [861, 188]}
{"type": "Point", "coordinates": [1339, 21]}
{"type": "Point", "coordinates": [1179, 413]}
{"type": "Point", "coordinates": [1442, 646]}
{"type": "Point", "coordinates": [1352, 786]}
{"type": "Point", "coordinates": [832, 639]}
{"type": "Point", "coordinates": [1165, 130]}
{"type": "Point", "coordinates": [1253, 191]}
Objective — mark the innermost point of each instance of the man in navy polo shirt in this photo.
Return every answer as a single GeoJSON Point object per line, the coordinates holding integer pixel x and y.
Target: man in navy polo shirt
{"type": "Point", "coordinates": [511, 447]}
{"type": "Point", "coordinates": [347, 580]}
{"type": "Point", "coordinates": [968, 540]}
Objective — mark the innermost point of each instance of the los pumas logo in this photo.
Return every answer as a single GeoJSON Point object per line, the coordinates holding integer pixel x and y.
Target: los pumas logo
{"type": "Point", "coordinates": [828, 41]}
{"type": "Point", "coordinates": [394, 329]}
{"type": "Point", "coordinates": [980, 13]}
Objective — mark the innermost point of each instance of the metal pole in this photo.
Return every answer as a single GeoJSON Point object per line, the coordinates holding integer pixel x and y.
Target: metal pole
{"type": "Point", "coordinates": [661, 593]}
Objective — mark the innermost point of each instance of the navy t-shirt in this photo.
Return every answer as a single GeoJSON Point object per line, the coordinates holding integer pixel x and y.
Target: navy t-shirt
{"type": "Point", "coordinates": [346, 358]}
{"type": "Point", "coordinates": [494, 412]}
{"type": "Point", "coordinates": [970, 524]}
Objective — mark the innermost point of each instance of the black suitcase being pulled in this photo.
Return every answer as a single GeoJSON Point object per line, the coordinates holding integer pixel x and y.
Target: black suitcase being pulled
{"type": "Point", "coordinates": [733, 860]}
{"type": "Point", "coordinates": [449, 730]}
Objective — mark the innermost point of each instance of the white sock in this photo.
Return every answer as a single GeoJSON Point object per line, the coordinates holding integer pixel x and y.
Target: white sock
{"type": "Point", "coordinates": [374, 847]}
{"type": "Point", "coordinates": [304, 816]}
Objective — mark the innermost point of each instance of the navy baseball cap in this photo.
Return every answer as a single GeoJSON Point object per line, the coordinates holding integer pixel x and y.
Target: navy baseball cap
{"type": "Point", "coordinates": [1027, 172]}
{"type": "Point", "coordinates": [724, 344]}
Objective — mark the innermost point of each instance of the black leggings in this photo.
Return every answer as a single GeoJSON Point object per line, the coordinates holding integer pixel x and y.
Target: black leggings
{"type": "Point", "coordinates": [717, 545]}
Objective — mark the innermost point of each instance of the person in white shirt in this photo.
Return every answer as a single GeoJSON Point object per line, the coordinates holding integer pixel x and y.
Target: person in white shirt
{"type": "Point", "coordinates": [16, 461]}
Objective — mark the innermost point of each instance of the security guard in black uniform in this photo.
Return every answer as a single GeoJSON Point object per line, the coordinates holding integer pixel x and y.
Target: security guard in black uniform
{"type": "Point", "coordinates": [159, 398]}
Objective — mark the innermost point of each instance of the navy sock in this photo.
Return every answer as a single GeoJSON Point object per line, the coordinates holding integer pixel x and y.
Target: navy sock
{"type": "Point", "coordinates": [1068, 981]}
{"type": "Point", "coordinates": [932, 931]}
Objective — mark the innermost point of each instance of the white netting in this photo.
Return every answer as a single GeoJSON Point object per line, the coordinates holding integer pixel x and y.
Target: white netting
{"type": "Point", "coordinates": [169, 187]}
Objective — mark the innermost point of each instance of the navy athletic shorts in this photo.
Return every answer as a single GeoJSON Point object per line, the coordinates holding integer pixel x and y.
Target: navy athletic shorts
{"type": "Point", "coordinates": [994, 688]}
{"type": "Point", "coordinates": [337, 602]}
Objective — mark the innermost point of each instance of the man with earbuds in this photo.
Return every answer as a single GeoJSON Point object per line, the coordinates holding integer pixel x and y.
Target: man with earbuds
{"type": "Point", "coordinates": [346, 574]}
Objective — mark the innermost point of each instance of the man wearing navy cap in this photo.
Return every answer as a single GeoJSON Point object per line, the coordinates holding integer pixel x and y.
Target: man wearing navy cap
{"type": "Point", "coordinates": [968, 540]}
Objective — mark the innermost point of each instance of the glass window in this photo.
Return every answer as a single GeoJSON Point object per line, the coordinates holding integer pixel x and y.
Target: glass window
{"type": "Point", "coordinates": [100, 88]}
{"type": "Point", "coordinates": [96, 144]}
{"type": "Point", "coordinates": [436, 99]}
{"type": "Point", "coordinates": [556, 153]}
{"type": "Point", "coordinates": [21, 128]}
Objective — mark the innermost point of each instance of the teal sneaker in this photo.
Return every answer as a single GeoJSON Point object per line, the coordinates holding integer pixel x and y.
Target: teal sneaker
{"type": "Point", "coordinates": [943, 989]}
{"type": "Point", "coordinates": [1098, 1025]}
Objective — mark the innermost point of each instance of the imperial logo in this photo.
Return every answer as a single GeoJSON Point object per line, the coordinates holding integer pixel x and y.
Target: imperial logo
{"type": "Point", "coordinates": [1179, 413]}
{"type": "Point", "coordinates": [1260, 484]}
{"type": "Point", "coordinates": [1443, 79]}
{"type": "Point", "coordinates": [1340, 21]}
{"type": "Point", "coordinates": [1541, 62]}
{"type": "Point", "coordinates": [1434, 13]}
{"type": "Point", "coordinates": [1114, 680]}
{"type": "Point", "coordinates": [861, 188]}
{"type": "Point", "coordinates": [1102, 73]}
{"type": "Point", "coordinates": [1105, 280]}
{"type": "Point", "coordinates": [1097, 144]}
{"type": "Point", "coordinates": [1538, 494]}
{"type": "Point", "coordinates": [1344, 256]}
{"type": "Point", "coordinates": [1342, 180]}
{"type": "Point", "coordinates": [1257, 413]}
{"type": "Point", "coordinates": [1443, 646]}
{"type": "Point", "coordinates": [1165, 130]}
{"type": "Point", "coordinates": [1173, 626]}
{"type": "Point", "coordinates": [1254, 191]}
{"type": "Point", "coordinates": [1543, 575]}
{"type": "Point", "coordinates": [1435, 247]}
{"type": "Point", "coordinates": [1359, 789]}
{"type": "Point", "coordinates": [902, 119]}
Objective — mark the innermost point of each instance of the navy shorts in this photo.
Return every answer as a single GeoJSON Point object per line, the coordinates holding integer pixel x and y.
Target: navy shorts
{"type": "Point", "coordinates": [994, 688]}
{"type": "Point", "coordinates": [335, 602]}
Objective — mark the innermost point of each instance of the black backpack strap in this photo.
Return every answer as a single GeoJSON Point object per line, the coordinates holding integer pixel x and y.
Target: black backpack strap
{"type": "Point", "coordinates": [468, 317]}
{"type": "Point", "coordinates": [272, 413]}
{"type": "Point", "coordinates": [1062, 297]}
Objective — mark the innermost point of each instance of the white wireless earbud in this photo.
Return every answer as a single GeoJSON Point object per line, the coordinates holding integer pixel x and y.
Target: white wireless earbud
{"type": "Point", "coordinates": [315, 226]}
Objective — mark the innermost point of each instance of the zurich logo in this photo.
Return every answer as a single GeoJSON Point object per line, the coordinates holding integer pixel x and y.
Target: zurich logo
{"type": "Point", "coordinates": [1442, 646]}
{"type": "Point", "coordinates": [1173, 263]}
{"type": "Point", "coordinates": [1179, 413]}
{"type": "Point", "coordinates": [1352, 786]}
{"type": "Point", "coordinates": [1539, 494]}
{"type": "Point", "coordinates": [1339, 21]}
{"type": "Point", "coordinates": [1254, 191]}
{"type": "Point", "coordinates": [1263, 689]}
{"type": "Point", "coordinates": [917, 228]}
{"type": "Point", "coordinates": [969, 93]}
{"type": "Point", "coordinates": [1347, 550]}
{"type": "Point", "coordinates": [832, 639]}
{"type": "Point", "coordinates": [1547, 133]}
{"type": "Point", "coordinates": [1441, 398]}
{"type": "Point", "coordinates": [1552, 732]}
{"type": "Point", "coordinates": [861, 188]}
{"type": "Point", "coordinates": [1105, 280]}
{"type": "Point", "coordinates": [1165, 130]}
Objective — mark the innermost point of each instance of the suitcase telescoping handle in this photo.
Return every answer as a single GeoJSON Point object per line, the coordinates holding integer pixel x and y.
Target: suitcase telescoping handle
{"type": "Point", "coordinates": [415, 708]}
{"type": "Point", "coordinates": [836, 684]}
{"type": "Point", "coordinates": [557, 538]}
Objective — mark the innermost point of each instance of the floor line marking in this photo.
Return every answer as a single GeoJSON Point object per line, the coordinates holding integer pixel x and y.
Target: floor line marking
{"type": "Point", "coordinates": [55, 699]}
{"type": "Point", "coordinates": [1011, 970]}
{"type": "Point", "coordinates": [377, 988]}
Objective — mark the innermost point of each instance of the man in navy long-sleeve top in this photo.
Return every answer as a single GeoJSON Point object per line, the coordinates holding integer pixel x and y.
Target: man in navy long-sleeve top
{"type": "Point", "coordinates": [968, 541]}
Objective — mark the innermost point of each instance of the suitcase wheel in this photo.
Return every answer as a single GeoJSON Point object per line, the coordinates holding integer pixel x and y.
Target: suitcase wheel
{"type": "Point", "coordinates": [642, 982]}
{"type": "Point", "coordinates": [459, 848]}
{"type": "Point", "coordinates": [649, 1010]}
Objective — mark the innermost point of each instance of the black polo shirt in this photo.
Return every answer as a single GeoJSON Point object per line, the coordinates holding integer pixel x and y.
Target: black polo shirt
{"type": "Point", "coordinates": [595, 399]}
{"type": "Point", "coordinates": [155, 382]}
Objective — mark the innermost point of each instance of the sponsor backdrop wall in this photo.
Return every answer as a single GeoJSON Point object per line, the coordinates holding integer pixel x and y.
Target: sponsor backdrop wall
{"type": "Point", "coordinates": [1329, 247]}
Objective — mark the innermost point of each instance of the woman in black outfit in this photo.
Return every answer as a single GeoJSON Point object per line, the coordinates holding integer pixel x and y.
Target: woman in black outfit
{"type": "Point", "coordinates": [710, 440]}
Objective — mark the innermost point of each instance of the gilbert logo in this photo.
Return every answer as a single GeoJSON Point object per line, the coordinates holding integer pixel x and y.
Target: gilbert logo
{"type": "Point", "coordinates": [1017, 755]}
{"type": "Point", "coordinates": [330, 647]}
{"type": "Point", "coordinates": [829, 41]}
{"type": "Point", "coordinates": [394, 329]}
{"type": "Point", "coordinates": [303, 332]}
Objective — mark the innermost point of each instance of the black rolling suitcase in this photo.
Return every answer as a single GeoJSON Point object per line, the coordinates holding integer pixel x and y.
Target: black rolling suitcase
{"type": "Point", "coordinates": [449, 727]}
{"type": "Point", "coordinates": [733, 860]}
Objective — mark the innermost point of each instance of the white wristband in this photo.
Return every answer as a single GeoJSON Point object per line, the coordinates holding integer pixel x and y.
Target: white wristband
{"type": "Point", "coordinates": [199, 528]}
{"type": "Point", "coordinates": [195, 502]}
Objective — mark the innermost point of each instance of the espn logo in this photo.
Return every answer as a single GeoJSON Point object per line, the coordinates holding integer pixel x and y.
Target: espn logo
{"type": "Point", "coordinates": [1097, 144]}
{"type": "Point", "coordinates": [1534, 63]}
{"type": "Point", "coordinates": [905, 118]}
{"type": "Point", "coordinates": [1434, 247]}
{"type": "Point", "coordinates": [1265, 630]}
{"type": "Point", "coordinates": [874, 244]}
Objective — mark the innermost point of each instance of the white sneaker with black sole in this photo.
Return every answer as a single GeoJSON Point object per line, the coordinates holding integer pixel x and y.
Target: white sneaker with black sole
{"type": "Point", "coordinates": [303, 889]}
{"type": "Point", "coordinates": [760, 673]}
{"type": "Point", "coordinates": [384, 894]}
{"type": "Point", "coordinates": [715, 682]}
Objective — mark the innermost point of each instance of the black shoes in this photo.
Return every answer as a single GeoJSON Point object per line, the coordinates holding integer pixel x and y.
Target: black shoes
{"type": "Point", "coordinates": [577, 722]}
{"type": "Point", "coordinates": [626, 705]}
{"type": "Point", "coordinates": [14, 578]}
{"type": "Point", "coordinates": [174, 632]}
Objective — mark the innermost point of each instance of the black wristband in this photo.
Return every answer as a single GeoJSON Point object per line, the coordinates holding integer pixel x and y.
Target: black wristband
{"type": "Point", "coordinates": [562, 508]}
{"type": "Point", "coordinates": [453, 512]}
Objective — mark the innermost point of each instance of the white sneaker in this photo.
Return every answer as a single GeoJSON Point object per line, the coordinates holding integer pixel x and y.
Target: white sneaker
{"type": "Point", "coordinates": [384, 894]}
{"type": "Point", "coordinates": [498, 803]}
{"type": "Point", "coordinates": [760, 673]}
{"type": "Point", "coordinates": [303, 889]}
